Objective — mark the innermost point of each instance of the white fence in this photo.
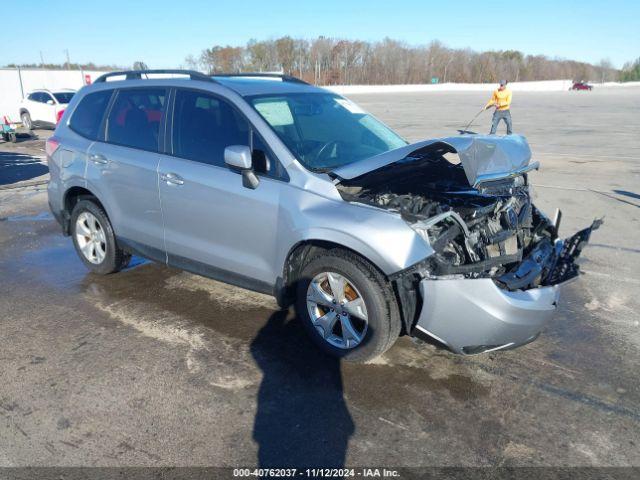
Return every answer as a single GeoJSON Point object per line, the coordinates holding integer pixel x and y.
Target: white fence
{"type": "Point", "coordinates": [16, 83]}
{"type": "Point", "coordinates": [540, 86]}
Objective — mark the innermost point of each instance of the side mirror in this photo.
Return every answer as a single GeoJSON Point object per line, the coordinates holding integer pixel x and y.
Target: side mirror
{"type": "Point", "coordinates": [239, 157]}
{"type": "Point", "coordinates": [49, 102]}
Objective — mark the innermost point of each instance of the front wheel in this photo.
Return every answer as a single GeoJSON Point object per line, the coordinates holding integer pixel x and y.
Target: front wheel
{"type": "Point", "coordinates": [94, 239]}
{"type": "Point", "coordinates": [347, 306]}
{"type": "Point", "coordinates": [26, 121]}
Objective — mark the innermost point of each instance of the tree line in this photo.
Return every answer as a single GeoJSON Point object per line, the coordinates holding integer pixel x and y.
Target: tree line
{"type": "Point", "coordinates": [331, 61]}
{"type": "Point", "coordinates": [631, 71]}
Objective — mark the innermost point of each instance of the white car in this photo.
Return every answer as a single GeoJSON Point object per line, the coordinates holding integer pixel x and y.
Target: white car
{"type": "Point", "coordinates": [44, 108]}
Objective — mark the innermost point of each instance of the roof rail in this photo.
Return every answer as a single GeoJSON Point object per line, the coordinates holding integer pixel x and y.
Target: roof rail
{"type": "Point", "coordinates": [137, 74]}
{"type": "Point", "coordinates": [284, 77]}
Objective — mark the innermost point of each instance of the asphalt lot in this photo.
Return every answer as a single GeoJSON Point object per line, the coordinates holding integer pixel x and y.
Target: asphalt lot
{"type": "Point", "coordinates": [154, 366]}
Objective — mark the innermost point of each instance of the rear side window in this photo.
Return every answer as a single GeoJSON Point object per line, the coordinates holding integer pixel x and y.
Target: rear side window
{"type": "Point", "coordinates": [63, 97]}
{"type": "Point", "coordinates": [135, 118]}
{"type": "Point", "coordinates": [88, 115]}
{"type": "Point", "coordinates": [39, 97]}
{"type": "Point", "coordinates": [204, 125]}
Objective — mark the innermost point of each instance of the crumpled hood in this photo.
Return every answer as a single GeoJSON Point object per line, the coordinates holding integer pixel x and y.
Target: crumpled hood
{"type": "Point", "coordinates": [483, 157]}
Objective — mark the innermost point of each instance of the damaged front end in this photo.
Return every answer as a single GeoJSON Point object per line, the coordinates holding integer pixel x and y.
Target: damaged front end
{"type": "Point", "coordinates": [470, 201]}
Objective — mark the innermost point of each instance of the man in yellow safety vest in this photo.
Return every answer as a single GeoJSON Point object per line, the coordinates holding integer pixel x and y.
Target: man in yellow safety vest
{"type": "Point", "coordinates": [501, 99]}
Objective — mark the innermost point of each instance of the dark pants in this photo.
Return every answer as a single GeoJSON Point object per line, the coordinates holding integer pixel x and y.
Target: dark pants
{"type": "Point", "coordinates": [501, 115]}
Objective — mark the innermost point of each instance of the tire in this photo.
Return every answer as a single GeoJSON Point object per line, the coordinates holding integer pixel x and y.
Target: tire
{"type": "Point", "coordinates": [26, 121]}
{"type": "Point", "coordinates": [13, 138]}
{"type": "Point", "coordinates": [101, 253]}
{"type": "Point", "coordinates": [382, 325]}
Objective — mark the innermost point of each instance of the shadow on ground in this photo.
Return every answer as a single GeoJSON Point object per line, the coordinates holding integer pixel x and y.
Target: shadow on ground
{"type": "Point", "coordinates": [302, 419]}
{"type": "Point", "coordinates": [627, 193]}
{"type": "Point", "coordinates": [18, 167]}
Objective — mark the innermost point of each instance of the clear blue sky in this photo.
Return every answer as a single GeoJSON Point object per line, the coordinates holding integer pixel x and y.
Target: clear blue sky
{"type": "Point", "coordinates": [163, 32]}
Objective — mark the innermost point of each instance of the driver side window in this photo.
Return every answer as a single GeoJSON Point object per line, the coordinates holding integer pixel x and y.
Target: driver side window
{"type": "Point", "coordinates": [204, 125]}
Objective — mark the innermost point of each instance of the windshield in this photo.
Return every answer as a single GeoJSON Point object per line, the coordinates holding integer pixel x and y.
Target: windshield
{"type": "Point", "coordinates": [325, 131]}
{"type": "Point", "coordinates": [64, 97]}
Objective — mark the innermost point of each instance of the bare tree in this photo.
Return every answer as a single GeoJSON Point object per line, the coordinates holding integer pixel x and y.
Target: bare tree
{"type": "Point", "coordinates": [192, 62]}
{"type": "Point", "coordinates": [325, 60]}
{"type": "Point", "coordinates": [606, 70]}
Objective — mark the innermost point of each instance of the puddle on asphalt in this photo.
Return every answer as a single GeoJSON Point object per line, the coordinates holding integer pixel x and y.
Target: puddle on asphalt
{"type": "Point", "coordinates": [56, 265]}
{"type": "Point", "coordinates": [28, 218]}
{"type": "Point", "coordinates": [363, 385]}
{"type": "Point", "coordinates": [196, 300]}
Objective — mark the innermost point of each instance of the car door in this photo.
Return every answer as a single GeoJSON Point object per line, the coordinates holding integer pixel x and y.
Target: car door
{"type": "Point", "coordinates": [36, 106]}
{"type": "Point", "coordinates": [124, 168]}
{"type": "Point", "coordinates": [48, 108]}
{"type": "Point", "coordinates": [213, 225]}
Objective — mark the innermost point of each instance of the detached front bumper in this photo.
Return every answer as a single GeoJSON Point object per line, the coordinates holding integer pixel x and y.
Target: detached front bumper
{"type": "Point", "coordinates": [475, 315]}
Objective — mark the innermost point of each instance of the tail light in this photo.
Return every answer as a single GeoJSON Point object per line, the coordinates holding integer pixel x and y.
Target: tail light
{"type": "Point", "coordinates": [51, 145]}
{"type": "Point", "coordinates": [59, 116]}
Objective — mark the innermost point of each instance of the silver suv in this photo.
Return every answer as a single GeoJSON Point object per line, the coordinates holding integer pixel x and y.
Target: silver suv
{"type": "Point", "coordinates": [272, 184]}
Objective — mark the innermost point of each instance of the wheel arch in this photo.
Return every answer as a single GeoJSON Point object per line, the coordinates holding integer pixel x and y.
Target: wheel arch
{"type": "Point", "coordinates": [404, 287]}
{"type": "Point", "coordinates": [71, 197]}
{"type": "Point", "coordinates": [296, 258]}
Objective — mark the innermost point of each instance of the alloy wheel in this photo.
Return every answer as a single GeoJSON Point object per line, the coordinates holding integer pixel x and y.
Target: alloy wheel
{"type": "Point", "coordinates": [91, 238]}
{"type": "Point", "coordinates": [337, 310]}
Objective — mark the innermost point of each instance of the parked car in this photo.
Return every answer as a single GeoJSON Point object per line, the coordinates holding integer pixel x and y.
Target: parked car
{"type": "Point", "coordinates": [42, 108]}
{"type": "Point", "coordinates": [281, 187]}
{"type": "Point", "coordinates": [581, 86]}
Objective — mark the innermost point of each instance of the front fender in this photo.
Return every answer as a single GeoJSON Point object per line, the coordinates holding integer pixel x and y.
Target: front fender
{"type": "Point", "coordinates": [383, 260]}
{"type": "Point", "coordinates": [382, 238]}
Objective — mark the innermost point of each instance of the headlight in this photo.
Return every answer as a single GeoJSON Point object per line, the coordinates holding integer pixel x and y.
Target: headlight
{"type": "Point", "coordinates": [519, 181]}
{"type": "Point", "coordinates": [434, 227]}
{"type": "Point", "coordinates": [505, 186]}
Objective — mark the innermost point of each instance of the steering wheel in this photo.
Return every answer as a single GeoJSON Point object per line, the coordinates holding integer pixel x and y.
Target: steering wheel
{"type": "Point", "coordinates": [322, 153]}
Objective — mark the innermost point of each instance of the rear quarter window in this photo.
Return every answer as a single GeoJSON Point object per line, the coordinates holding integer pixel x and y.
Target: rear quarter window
{"type": "Point", "coordinates": [87, 117]}
{"type": "Point", "coordinates": [63, 97]}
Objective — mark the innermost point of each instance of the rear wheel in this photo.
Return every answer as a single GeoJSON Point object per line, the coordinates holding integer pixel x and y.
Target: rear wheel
{"type": "Point", "coordinates": [94, 239]}
{"type": "Point", "coordinates": [347, 306]}
{"type": "Point", "coordinates": [26, 121]}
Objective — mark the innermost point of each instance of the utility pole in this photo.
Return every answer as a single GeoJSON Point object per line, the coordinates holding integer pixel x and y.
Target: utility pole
{"type": "Point", "coordinates": [41, 60]}
{"type": "Point", "coordinates": [66, 51]}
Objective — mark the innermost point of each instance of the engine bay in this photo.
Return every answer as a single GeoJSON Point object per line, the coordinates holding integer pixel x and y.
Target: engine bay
{"type": "Point", "coordinates": [489, 231]}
